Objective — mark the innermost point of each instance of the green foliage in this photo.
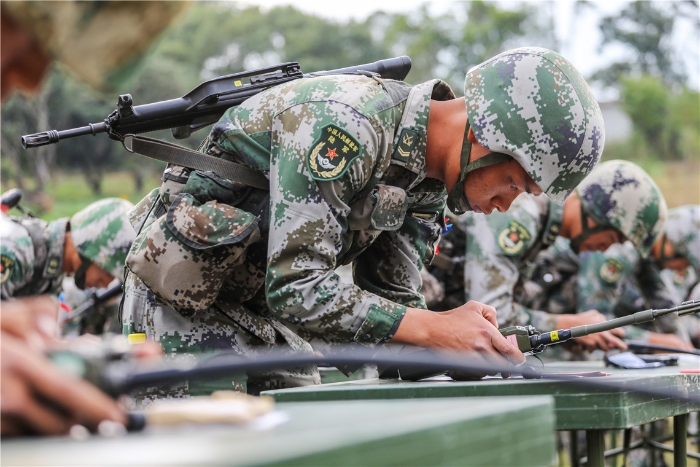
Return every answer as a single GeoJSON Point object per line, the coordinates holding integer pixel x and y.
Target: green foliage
{"type": "Point", "coordinates": [667, 122]}
{"type": "Point", "coordinates": [644, 28]}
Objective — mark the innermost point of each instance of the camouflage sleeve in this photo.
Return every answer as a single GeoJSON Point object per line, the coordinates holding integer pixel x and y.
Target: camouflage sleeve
{"type": "Point", "coordinates": [495, 248]}
{"type": "Point", "coordinates": [391, 266]}
{"type": "Point", "coordinates": [309, 226]}
{"type": "Point", "coordinates": [16, 257]}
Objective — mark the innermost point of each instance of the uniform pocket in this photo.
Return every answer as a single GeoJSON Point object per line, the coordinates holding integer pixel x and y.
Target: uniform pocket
{"type": "Point", "coordinates": [187, 254]}
{"type": "Point", "coordinates": [389, 207]}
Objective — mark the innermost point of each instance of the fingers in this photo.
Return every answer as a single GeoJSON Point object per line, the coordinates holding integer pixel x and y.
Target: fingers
{"type": "Point", "coordinates": [83, 400]}
{"type": "Point", "coordinates": [613, 342]}
{"type": "Point", "coordinates": [32, 319]}
{"type": "Point", "coordinates": [508, 350]}
{"type": "Point", "coordinates": [487, 312]}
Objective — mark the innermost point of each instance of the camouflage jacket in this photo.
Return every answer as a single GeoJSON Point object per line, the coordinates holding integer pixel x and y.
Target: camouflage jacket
{"type": "Point", "coordinates": [500, 249]}
{"type": "Point", "coordinates": [345, 159]}
{"type": "Point", "coordinates": [31, 256]}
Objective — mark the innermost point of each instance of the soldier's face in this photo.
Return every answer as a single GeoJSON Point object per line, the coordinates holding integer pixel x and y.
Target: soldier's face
{"type": "Point", "coordinates": [601, 241]}
{"type": "Point", "coordinates": [95, 276]}
{"type": "Point", "coordinates": [496, 186]}
{"type": "Point", "coordinates": [677, 264]}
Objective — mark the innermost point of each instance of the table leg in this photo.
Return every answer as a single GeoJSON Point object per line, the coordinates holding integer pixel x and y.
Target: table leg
{"type": "Point", "coordinates": [595, 441]}
{"type": "Point", "coordinates": [680, 438]}
{"type": "Point", "coordinates": [573, 448]}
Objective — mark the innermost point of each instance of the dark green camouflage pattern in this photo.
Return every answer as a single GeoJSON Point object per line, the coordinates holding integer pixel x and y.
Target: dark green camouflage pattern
{"type": "Point", "coordinates": [380, 215]}
{"type": "Point", "coordinates": [102, 233]}
{"type": "Point", "coordinates": [621, 195]}
{"type": "Point", "coordinates": [532, 104]}
{"type": "Point", "coordinates": [31, 256]}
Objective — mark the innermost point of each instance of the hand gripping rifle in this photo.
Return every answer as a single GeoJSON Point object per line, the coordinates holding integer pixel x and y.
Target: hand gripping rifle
{"type": "Point", "coordinates": [530, 342]}
{"type": "Point", "coordinates": [206, 103]}
{"type": "Point", "coordinates": [98, 298]}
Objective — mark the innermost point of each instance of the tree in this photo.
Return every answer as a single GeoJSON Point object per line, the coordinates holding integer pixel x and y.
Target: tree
{"type": "Point", "coordinates": [645, 29]}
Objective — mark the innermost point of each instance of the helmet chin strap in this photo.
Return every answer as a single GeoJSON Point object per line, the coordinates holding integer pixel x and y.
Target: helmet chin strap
{"type": "Point", "coordinates": [81, 273]}
{"type": "Point", "coordinates": [457, 200]}
{"type": "Point", "coordinates": [586, 231]}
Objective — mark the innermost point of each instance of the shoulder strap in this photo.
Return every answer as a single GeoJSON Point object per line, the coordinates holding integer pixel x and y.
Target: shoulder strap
{"type": "Point", "coordinates": [178, 155]}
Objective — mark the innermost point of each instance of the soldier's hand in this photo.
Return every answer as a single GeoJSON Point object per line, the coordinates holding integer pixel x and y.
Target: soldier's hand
{"type": "Point", "coordinates": [469, 328]}
{"type": "Point", "coordinates": [669, 340]}
{"type": "Point", "coordinates": [37, 398]}
{"type": "Point", "coordinates": [31, 319]}
{"type": "Point", "coordinates": [599, 341]}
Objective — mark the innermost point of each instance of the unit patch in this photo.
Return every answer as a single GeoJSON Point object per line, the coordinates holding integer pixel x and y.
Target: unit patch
{"type": "Point", "coordinates": [405, 145]}
{"type": "Point", "coordinates": [6, 264]}
{"type": "Point", "coordinates": [611, 270]}
{"type": "Point", "coordinates": [331, 154]}
{"type": "Point", "coordinates": [511, 240]}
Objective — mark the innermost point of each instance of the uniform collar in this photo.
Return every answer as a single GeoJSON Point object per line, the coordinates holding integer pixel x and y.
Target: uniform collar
{"type": "Point", "coordinates": [410, 141]}
{"type": "Point", "coordinates": [55, 234]}
{"type": "Point", "coordinates": [555, 218]}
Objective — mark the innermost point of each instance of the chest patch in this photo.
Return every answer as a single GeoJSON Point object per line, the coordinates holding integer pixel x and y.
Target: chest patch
{"type": "Point", "coordinates": [512, 238]}
{"type": "Point", "coordinates": [611, 270]}
{"type": "Point", "coordinates": [6, 264]}
{"type": "Point", "coordinates": [331, 154]}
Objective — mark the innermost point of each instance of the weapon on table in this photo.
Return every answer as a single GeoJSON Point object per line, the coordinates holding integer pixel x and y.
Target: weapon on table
{"type": "Point", "coordinates": [530, 342]}
{"type": "Point", "coordinates": [99, 297]}
{"type": "Point", "coordinates": [206, 103]}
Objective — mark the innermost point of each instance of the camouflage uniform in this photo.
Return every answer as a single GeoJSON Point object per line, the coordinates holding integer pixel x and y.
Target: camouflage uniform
{"type": "Point", "coordinates": [32, 251]}
{"type": "Point", "coordinates": [345, 160]}
{"type": "Point", "coordinates": [501, 247]}
{"type": "Point", "coordinates": [31, 256]}
{"type": "Point", "coordinates": [609, 282]}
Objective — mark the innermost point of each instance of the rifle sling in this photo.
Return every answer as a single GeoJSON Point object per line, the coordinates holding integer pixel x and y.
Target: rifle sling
{"type": "Point", "coordinates": [178, 155]}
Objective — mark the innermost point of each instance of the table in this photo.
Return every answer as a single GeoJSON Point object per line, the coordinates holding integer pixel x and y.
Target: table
{"type": "Point", "coordinates": [488, 432]}
{"type": "Point", "coordinates": [576, 408]}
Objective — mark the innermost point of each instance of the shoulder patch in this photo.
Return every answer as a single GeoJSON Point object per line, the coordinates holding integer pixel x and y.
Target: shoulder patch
{"type": "Point", "coordinates": [331, 154]}
{"type": "Point", "coordinates": [6, 264]}
{"type": "Point", "coordinates": [611, 270]}
{"type": "Point", "coordinates": [407, 140]}
{"type": "Point", "coordinates": [512, 238]}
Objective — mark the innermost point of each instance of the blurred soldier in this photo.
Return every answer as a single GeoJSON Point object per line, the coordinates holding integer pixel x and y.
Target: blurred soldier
{"type": "Point", "coordinates": [97, 41]}
{"type": "Point", "coordinates": [609, 282]}
{"type": "Point", "coordinates": [92, 246]}
{"type": "Point", "coordinates": [618, 201]}
{"type": "Point", "coordinates": [359, 171]}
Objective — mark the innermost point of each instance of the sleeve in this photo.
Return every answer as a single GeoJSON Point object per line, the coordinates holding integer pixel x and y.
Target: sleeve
{"type": "Point", "coordinates": [309, 227]}
{"type": "Point", "coordinates": [495, 247]}
{"type": "Point", "coordinates": [16, 259]}
{"type": "Point", "coordinates": [391, 266]}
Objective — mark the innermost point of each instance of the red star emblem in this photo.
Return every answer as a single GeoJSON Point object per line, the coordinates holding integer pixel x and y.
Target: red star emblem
{"type": "Point", "coordinates": [331, 154]}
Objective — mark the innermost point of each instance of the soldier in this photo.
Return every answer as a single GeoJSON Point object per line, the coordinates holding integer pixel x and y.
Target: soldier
{"type": "Point", "coordinates": [359, 170]}
{"type": "Point", "coordinates": [618, 201]}
{"type": "Point", "coordinates": [609, 282]}
{"type": "Point", "coordinates": [92, 245]}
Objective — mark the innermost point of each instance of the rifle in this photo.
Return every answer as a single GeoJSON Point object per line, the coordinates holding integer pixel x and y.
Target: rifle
{"type": "Point", "coordinates": [99, 297]}
{"type": "Point", "coordinates": [530, 341]}
{"type": "Point", "coordinates": [206, 103]}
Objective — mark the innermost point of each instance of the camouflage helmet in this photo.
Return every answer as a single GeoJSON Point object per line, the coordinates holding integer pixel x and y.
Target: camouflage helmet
{"type": "Point", "coordinates": [101, 42]}
{"type": "Point", "coordinates": [621, 195]}
{"type": "Point", "coordinates": [103, 234]}
{"type": "Point", "coordinates": [683, 233]}
{"type": "Point", "coordinates": [530, 104]}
